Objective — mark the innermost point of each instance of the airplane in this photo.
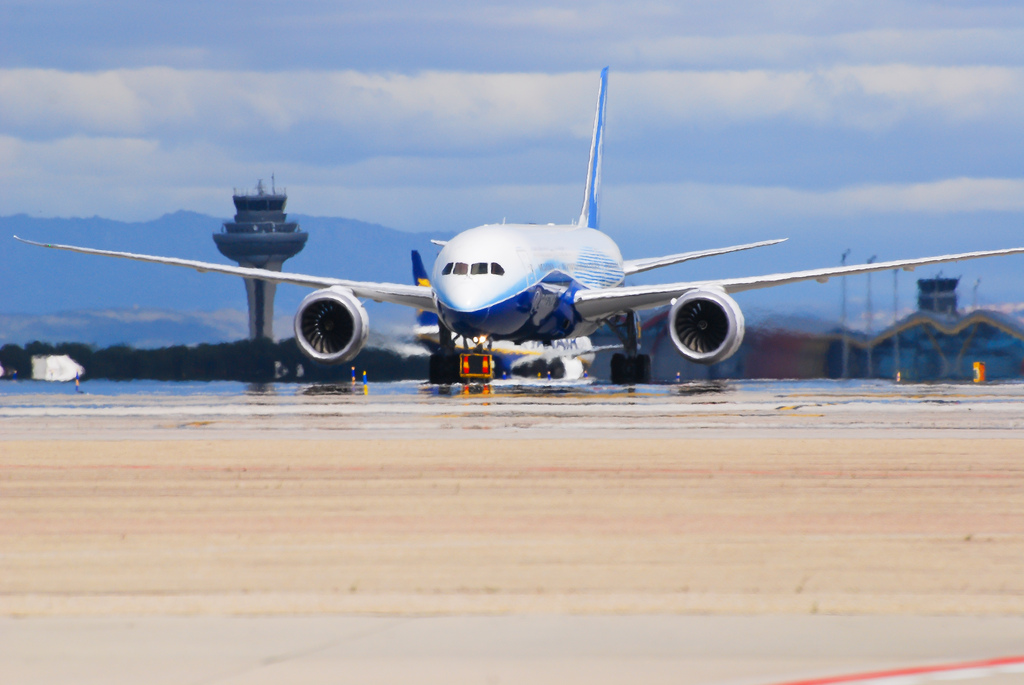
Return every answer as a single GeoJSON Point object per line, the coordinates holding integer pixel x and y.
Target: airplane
{"type": "Point", "coordinates": [540, 283]}
{"type": "Point", "coordinates": [566, 359]}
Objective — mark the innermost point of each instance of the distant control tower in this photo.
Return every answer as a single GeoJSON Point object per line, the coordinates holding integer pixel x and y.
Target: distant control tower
{"type": "Point", "coordinates": [261, 237]}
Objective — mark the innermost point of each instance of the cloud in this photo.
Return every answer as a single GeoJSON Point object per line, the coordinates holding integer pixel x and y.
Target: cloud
{"type": "Point", "coordinates": [733, 205]}
{"type": "Point", "coordinates": [560, 36]}
{"type": "Point", "coordinates": [991, 46]}
{"type": "Point", "coordinates": [873, 98]}
{"type": "Point", "coordinates": [938, 197]}
{"type": "Point", "coordinates": [389, 111]}
{"type": "Point", "coordinates": [126, 178]}
{"type": "Point", "coordinates": [137, 178]}
{"type": "Point", "coordinates": [473, 147]}
{"type": "Point", "coordinates": [432, 110]}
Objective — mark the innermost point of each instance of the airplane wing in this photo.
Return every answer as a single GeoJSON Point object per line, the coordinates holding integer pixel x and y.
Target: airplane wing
{"type": "Point", "coordinates": [421, 297]}
{"type": "Point", "coordinates": [635, 266]}
{"type": "Point", "coordinates": [599, 303]}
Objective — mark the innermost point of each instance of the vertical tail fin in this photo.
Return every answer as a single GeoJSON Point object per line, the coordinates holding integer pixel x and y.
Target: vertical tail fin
{"type": "Point", "coordinates": [589, 216]}
{"type": "Point", "coordinates": [420, 277]}
{"type": "Point", "coordinates": [419, 272]}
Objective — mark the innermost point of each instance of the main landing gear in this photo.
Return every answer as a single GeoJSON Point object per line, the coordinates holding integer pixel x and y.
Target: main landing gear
{"type": "Point", "coordinates": [632, 367]}
{"type": "Point", "coordinates": [444, 366]}
{"type": "Point", "coordinates": [631, 370]}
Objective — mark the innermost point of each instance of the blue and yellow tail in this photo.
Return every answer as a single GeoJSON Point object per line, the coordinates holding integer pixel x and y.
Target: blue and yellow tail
{"type": "Point", "coordinates": [419, 277]}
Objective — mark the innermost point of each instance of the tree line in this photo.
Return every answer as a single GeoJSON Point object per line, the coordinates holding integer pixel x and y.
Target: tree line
{"type": "Point", "coordinates": [248, 361]}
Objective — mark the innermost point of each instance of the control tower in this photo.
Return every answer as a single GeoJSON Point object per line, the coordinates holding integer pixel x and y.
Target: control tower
{"type": "Point", "coordinates": [260, 236]}
{"type": "Point", "coordinates": [937, 295]}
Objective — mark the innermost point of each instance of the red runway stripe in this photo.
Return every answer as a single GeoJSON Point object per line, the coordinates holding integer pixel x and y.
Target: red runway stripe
{"type": "Point", "coordinates": [919, 670]}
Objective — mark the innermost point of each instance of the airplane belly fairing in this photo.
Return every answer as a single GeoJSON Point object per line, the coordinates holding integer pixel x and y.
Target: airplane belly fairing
{"type": "Point", "coordinates": [542, 312]}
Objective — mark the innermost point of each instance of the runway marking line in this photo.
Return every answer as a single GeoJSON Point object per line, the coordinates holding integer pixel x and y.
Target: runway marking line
{"type": "Point", "coordinates": [967, 669]}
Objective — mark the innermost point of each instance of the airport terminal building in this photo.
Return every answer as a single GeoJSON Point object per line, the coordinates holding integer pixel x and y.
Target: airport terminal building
{"type": "Point", "coordinates": [936, 342]}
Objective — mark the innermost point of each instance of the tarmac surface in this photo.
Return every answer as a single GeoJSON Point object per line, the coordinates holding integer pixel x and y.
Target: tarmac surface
{"type": "Point", "coordinates": [711, 409]}
{"type": "Point", "coordinates": [536, 649]}
{"type": "Point", "coordinates": [704, 533]}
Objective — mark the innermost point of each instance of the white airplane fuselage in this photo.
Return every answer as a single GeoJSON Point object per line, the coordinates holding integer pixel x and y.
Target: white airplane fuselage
{"type": "Point", "coordinates": [518, 281]}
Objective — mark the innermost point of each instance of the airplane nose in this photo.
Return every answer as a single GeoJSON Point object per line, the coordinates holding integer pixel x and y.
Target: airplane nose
{"type": "Point", "coordinates": [504, 318]}
{"type": "Point", "coordinates": [469, 310]}
{"type": "Point", "coordinates": [467, 323]}
{"type": "Point", "coordinates": [458, 297]}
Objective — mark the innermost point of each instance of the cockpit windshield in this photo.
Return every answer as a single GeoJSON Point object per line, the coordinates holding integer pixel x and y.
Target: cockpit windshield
{"type": "Point", "coordinates": [462, 269]}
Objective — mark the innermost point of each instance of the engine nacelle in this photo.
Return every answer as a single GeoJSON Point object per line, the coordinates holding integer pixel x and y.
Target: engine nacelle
{"type": "Point", "coordinates": [706, 325]}
{"type": "Point", "coordinates": [331, 325]}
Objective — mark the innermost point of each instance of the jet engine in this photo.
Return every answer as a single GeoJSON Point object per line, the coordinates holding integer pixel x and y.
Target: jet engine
{"type": "Point", "coordinates": [331, 325]}
{"type": "Point", "coordinates": [706, 325]}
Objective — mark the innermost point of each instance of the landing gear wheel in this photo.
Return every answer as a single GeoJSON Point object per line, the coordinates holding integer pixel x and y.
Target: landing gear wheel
{"type": "Point", "coordinates": [631, 370]}
{"type": "Point", "coordinates": [618, 369]}
{"type": "Point", "coordinates": [444, 369]}
{"type": "Point", "coordinates": [643, 368]}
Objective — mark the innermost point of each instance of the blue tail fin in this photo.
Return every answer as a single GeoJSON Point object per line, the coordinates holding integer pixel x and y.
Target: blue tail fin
{"type": "Point", "coordinates": [419, 272]}
{"type": "Point", "coordinates": [589, 216]}
{"type": "Point", "coordinates": [419, 277]}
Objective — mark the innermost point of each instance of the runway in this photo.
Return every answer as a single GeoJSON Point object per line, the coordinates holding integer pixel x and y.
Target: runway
{"type": "Point", "coordinates": [716, 533]}
{"type": "Point", "coordinates": [534, 410]}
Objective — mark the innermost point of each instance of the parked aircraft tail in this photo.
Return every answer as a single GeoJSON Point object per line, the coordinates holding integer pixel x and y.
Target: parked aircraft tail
{"type": "Point", "coordinates": [420, 277]}
{"type": "Point", "coordinates": [589, 216]}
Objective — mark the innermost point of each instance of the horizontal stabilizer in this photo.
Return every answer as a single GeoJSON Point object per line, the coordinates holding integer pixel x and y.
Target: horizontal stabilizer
{"type": "Point", "coordinates": [635, 266]}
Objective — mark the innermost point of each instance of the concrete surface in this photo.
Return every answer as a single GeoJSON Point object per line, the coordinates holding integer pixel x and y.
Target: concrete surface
{"type": "Point", "coordinates": [724, 650]}
{"type": "Point", "coordinates": [704, 534]}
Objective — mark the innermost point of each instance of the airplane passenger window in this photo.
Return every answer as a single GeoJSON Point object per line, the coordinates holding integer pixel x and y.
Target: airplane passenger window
{"type": "Point", "coordinates": [479, 268]}
{"type": "Point", "coordinates": [447, 269]}
{"type": "Point", "coordinates": [461, 269]}
{"type": "Point", "coordinates": [496, 269]}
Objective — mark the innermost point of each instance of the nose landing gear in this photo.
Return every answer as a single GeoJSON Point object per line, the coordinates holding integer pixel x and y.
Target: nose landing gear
{"type": "Point", "coordinates": [448, 366]}
{"type": "Point", "coordinates": [444, 369]}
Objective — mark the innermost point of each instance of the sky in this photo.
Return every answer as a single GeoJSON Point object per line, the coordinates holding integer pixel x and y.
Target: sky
{"type": "Point", "coordinates": [886, 127]}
